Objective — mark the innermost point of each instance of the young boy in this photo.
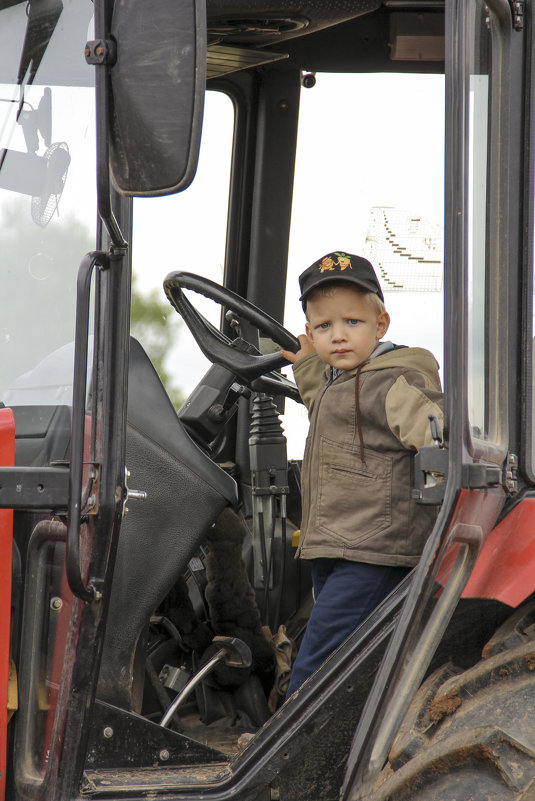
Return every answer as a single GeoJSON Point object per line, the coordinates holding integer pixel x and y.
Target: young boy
{"type": "Point", "coordinates": [368, 413]}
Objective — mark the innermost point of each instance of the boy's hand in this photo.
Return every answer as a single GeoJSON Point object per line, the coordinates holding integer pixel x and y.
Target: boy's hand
{"type": "Point", "coordinates": [306, 348]}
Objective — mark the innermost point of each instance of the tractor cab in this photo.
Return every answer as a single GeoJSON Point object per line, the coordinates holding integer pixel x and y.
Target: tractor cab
{"type": "Point", "coordinates": [166, 173]}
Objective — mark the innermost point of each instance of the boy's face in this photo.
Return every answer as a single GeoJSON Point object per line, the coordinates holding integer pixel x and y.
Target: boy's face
{"type": "Point", "coordinates": [344, 326]}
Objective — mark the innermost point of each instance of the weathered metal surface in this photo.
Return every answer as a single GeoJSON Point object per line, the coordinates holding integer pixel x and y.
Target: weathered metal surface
{"type": "Point", "coordinates": [469, 734]}
{"type": "Point", "coordinates": [101, 783]}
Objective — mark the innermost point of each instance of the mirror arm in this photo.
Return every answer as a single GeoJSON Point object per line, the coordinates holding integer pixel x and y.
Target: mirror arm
{"type": "Point", "coordinates": [102, 53]}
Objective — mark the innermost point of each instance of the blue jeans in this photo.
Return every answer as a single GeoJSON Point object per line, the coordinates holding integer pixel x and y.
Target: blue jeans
{"type": "Point", "coordinates": [345, 593]}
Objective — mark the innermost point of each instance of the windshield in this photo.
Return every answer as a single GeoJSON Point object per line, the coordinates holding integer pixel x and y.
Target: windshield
{"type": "Point", "coordinates": [47, 222]}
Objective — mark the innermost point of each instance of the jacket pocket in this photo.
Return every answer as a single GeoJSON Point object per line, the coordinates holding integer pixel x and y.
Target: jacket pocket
{"type": "Point", "coordinates": [354, 499]}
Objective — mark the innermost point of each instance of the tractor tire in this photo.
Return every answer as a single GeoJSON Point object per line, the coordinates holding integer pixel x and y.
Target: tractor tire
{"type": "Point", "coordinates": [469, 735]}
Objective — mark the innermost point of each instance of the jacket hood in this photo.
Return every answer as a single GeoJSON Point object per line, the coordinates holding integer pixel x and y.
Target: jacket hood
{"type": "Point", "coordinates": [418, 359]}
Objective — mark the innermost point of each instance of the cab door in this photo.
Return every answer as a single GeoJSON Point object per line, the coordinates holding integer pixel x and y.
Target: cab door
{"type": "Point", "coordinates": [466, 466]}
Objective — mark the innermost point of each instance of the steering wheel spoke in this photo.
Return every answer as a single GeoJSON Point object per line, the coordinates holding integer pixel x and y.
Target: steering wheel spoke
{"type": "Point", "coordinates": [276, 384]}
{"type": "Point", "coordinates": [247, 365]}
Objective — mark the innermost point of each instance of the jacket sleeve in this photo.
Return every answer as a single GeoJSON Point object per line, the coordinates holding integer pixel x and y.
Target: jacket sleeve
{"type": "Point", "coordinates": [309, 377]}
{"type": "Point", "coordinates": [409, 402]}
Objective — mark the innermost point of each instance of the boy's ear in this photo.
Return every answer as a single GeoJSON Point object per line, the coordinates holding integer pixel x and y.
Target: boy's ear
{"type": "Point", "coordinates": [309, 333]}
{"type": "Point", "coordinates": [383, 323]}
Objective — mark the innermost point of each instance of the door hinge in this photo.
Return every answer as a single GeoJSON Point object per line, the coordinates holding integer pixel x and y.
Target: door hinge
{"type": "Point", "coordinates": [479, 475]}
{"type": "Point", "coordinates": [517, 10]}
{"type": "Point", "coordinates": [510, 474]}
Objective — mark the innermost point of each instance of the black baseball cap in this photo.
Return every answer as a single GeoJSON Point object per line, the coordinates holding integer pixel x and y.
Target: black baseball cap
{"type": "Point", "coordinates": [339, 266]}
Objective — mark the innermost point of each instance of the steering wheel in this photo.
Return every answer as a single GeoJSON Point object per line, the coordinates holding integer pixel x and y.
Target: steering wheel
{"type": "Point", "coordinates": [253, 368]}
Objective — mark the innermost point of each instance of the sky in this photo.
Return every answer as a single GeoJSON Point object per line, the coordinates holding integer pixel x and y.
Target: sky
{"type": "Point", "coordinates": [363, 141]}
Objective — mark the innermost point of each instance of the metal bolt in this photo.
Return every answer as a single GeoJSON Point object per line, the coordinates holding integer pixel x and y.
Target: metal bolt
{"type": "Point", "coordinates": [108, 732]}
{"type": "Point", "coordinates": [137, 495]}
{"type": "Point", "coordinates": [164, 754]}
{"type": "Point", "coordinates": [56, 604]}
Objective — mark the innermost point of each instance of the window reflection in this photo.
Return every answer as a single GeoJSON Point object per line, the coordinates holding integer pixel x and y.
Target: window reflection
{"type": "Point", "coordinates": [477, 211]}
{"type": "Point", "coordinates": [45, 229]}
{"type": "Point", "coordinates": [486, 225]}
{"type": "Point", "coordinates": [47, 187]}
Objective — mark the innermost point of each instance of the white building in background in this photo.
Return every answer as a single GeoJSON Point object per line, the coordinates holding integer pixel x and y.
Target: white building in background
{"type": "Point", "coordinates": [407, 251]}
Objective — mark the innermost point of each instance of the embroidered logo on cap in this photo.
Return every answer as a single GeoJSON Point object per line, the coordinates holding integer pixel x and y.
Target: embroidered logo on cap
{"type": "Point", "coordinates": [328, 263]}
{"type": "Point", "coordinates": [344, 261]}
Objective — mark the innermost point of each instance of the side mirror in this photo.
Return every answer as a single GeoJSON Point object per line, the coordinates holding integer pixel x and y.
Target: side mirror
{"type": "Point", "coordinates": [157, 94]}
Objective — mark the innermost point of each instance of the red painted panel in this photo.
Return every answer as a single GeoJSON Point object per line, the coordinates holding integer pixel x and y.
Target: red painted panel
{"type": "Point", "coordinates": [505, 569]}
{"type": "Point", "coordinates": [7, 458]}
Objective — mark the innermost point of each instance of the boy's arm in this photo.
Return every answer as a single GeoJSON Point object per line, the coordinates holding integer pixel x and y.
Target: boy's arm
{"type": "Point", "coordinates": [308, 370]}
{"type": "Point", "coordinates": [309, 377]}
{"type": "Point", "coordinates": [409, 403]}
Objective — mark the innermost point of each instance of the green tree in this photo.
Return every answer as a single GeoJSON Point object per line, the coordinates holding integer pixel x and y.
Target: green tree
{"type": "Point", "coordinates": [156, 324]}
{"type": "Point", "coordinates": [38, 271]}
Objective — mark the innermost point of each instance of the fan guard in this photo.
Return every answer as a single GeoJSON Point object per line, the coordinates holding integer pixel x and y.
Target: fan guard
{"type": "Point", "coordinates": [57, 159]}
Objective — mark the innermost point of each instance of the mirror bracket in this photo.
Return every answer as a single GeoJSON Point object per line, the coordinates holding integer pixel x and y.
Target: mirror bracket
{"type": "Point", "coordinates": [101, 51]}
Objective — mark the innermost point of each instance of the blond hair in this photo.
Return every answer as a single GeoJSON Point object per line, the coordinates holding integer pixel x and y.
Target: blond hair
{"type": "Point", "coordinates": [328, 290]}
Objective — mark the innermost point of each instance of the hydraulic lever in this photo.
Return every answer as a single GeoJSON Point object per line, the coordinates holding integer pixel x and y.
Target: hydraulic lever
{"type": "Point", "coordinates": [233, 652]}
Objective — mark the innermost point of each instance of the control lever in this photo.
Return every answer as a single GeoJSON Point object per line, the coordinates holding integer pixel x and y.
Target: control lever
{"type": "Point", "coordinates": [233, 652]}
{"type": "Point", "coordinates": [436, 433]}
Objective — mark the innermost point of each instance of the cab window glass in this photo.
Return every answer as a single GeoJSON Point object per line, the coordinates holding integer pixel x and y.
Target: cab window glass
{"type": "Point", "coordinates": [195, 221]}
{"type": "Point", "coordinates": [486, 251]}
{"type": "Point", "coordinates": [377, 191]}
{"type": "Point", "coordinates": [46, 223]}
{"type": "Point", "coordinates": [478, 124]}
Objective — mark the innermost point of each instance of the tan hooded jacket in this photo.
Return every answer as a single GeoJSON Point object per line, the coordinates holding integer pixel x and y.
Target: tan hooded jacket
{"type": "Point", "coordinates": [358, 466]}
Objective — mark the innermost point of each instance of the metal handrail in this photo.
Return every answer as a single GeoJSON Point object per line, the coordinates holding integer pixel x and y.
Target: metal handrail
{"type": "Point", "coordinates": [72, 557]}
